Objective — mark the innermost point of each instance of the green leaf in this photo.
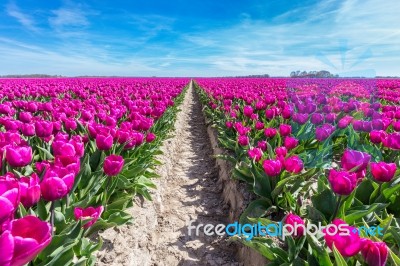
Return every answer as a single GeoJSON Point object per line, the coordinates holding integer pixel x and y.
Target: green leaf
{"type": "Point", "coordinates": [255, 209]}
{"type": "Point", "coordinates": [325, 202]}
{"type": "Point", "coordinates": [354, 214]}
{"type": "Point", "coordinates": [339, 260]}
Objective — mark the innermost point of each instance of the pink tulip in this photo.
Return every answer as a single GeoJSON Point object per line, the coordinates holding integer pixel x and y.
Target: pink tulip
{"type": "Point", "coordinates": [297, 223]}
{"type": "Point", "coordinates": [113, 165]}
{"type": "Point", "coordinates": [375, 253]}
{"type": "Point", "coordinates": [383, 172]}
{"type": "Point", "coordinates": [23, 240]}
{"type": "Point", "coordinates": [53, 187]}
{"type": "Point", "coordinates": [9, 197]}
{"type": "Point", "coordinates": [255, 154]}
{"type": "Point", "coordinates": [150, 137]}
{"type": "Point", "coordinates": [285, 130]}
{"type": "Point", "coordinates": [19, 156]}
{"type": "Point", "coordinates": [93, 213]}
{"type": "Point", "coordinates": [43, 128]}
{"type": "Point", "coordinates": [270, 132]}
{"type": "Point", "coordinates": [342, 182]}
{"type": "Point", "coordinates": [293, 164]}
{"type": "Point", "coordinates": [272, 167]}
{"type": "Point", "coordinates": [30, 190]}
{"type": "Point", "coordinates": [243, 140]}
{"type": "Point", "coordinates": [347, 245]}
{"type": "Point", "coordinates": [104, 142]}
{"type": "Point", "coordinates": [290, 143]}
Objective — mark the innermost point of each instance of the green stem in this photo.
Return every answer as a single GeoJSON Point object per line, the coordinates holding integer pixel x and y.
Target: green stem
{"type": "Point", "coordinates": [52, 207]}
{"type": "Point", "coordinates": [339, 201]}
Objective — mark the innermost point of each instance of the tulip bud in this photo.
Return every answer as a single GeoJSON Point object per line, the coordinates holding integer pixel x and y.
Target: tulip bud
{"type": "Point", "coordinates": [375, 253]}
{"type": "Point", "coordinates": [285, 130]}
{"type": "Point", "coordinates": [297, 223]}
{"type": "Point", "coordinates": [19, 156]}
{"type": "Point", "coordinates": [342, 182]}
{"type": "Point", "coordinates": [104, 142]}
{"type": "Point", "coordinates": [383, 172]}
{"type": "Point", "coordinates": [30, 190]}
{"type": "Point", "coordinates": [294, 164]}
{"type": "Point", "coordinates": [113, 165]}
{"type": "Point", "coordinates": [90, 212]}
{"type": "Point", "coordinates": [348, 245]}
{"type": "Point", "coordinates": [272, 167]}
{"type": "Point", "coordinates": [356, 161]}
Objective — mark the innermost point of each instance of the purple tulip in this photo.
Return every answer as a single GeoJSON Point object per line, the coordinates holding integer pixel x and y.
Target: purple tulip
{"type": "Point", "coordinates": [243, 140]}
{"type": "Point", "coordinates": [356, 161]}
{"type": "Point", "coordinates": [53, 187]}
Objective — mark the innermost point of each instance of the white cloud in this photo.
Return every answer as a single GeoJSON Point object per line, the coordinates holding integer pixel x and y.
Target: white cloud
{"type": "Point", "coordinates": [24, 19]}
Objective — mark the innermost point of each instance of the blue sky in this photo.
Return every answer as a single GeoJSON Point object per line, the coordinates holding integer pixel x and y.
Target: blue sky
{"type": "Point", "coordinates": [199, 38]}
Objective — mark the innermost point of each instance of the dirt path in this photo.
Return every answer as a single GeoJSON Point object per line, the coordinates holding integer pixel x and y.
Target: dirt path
{"type": "Point", "coordinates": [186, 191]}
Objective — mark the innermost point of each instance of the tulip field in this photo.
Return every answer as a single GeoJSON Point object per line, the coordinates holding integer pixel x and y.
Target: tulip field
{"type": "Point", "coordinates": [76, 152]}
{"type": "Point", "coordinates": [314, 151]}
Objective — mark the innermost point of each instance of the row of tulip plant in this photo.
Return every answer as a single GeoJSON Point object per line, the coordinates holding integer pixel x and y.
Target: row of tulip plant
{"type": "Point", "coordinates": [74, 154]}
{"type": "Point", "coordinates": [314, 152]}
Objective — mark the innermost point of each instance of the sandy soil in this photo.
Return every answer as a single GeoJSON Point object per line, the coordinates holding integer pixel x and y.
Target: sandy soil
{"type": "Point", "coordinates": [187, 190]}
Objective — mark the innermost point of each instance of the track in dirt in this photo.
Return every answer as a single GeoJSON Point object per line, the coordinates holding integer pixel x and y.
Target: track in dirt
{"type": "Point", "coordinates": [187, 190]}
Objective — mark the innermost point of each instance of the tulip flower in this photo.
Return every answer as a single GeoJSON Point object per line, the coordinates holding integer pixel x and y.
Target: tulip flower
{"type": "Point", "coordinates": [19, 156]}
{"type": "Point", "coordinates": [270, 132]}
{"type": "Point", "coordinates": [285, 130]}
{"type": "Point", "coordinates": [104, 142]}
{"type": "Point", "coordinates": [293, 164]}
{"type": "Point", "coordinates": [353, 160]}
{"type": "Point", "coordinates": [272, 167]}
{"type": "Point", "coordinates": [281, 151]}
{"type": "Point", "coordinates": [53, 187]}
{"type": "Point", "coordinates": [349, 244]}
{"type": "Point", "coordinates": [317, 118]}
{"type": "Point", "coordinates": [243, 140]}
{"type": "Point", "coordinates": [375, 253]}
{"type": "Point", "coordinates": [255, 153]}
{"type": "Point", "coordinates": [376, 136]}
{"type": "Point", "coordinates": [392, 141]}
{"type": "Point", "coordinates": [297, 223]}
{"type": "Point", "coordinates": [30, 190]}
{"type": "Point", "coordinates": [23, 240]}
{"type": "Point", "coordinates": [262, 144]}
{"type": "Point", "coordinates": [113, 165]}
{"type": "Point", "coordinates": [248, 111]}
{"type": "Point", "coordinates": [383, 172]}
{"type": "Point", "coordinates": [90, 212]}
{"type": "Point", "coordinates": [342, 182]}
{"type": "Point", "coordinates": [150, 137]}
{"type": "Point", "coordinates": [9, 197]}
{"type": "Point", "coordinates": [43, 129]}
{"type": "Point", "coordinates": [345, 121]}
{"type": "Point", "coordinates": [290, 143]}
